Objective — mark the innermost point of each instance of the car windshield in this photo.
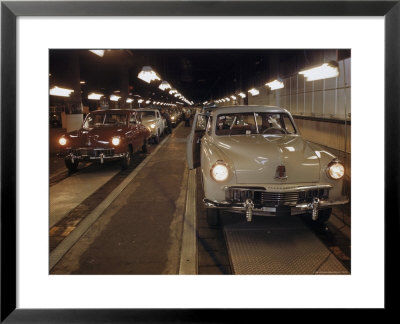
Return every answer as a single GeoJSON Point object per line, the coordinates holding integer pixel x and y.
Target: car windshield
{"type": "Point", "coordinates": [147, 114]}
{"type": "Point", "coordinates": [253, 123]}
{"type": "Point", "coordinates": [106, 119]}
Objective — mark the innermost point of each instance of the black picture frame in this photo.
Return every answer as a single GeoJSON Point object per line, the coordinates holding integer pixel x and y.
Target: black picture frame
{"type": "Point", "coordinates": [10, 10]}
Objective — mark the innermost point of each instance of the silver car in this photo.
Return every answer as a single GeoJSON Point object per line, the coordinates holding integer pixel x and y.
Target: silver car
{"type": "Point", "coordinates": [253, 160]}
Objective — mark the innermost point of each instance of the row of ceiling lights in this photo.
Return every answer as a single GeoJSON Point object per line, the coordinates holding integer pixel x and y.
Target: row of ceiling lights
{"type": "Point", "coordinates": [63, 92]}
{"type": "Point", "coordinates": [324, 71]}
{"type": "Point", "coordinates": [148, 75]}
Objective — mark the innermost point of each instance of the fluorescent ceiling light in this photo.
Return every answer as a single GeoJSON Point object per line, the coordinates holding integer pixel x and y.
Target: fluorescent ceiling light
{"type": "Point", "coordinates": [324, 71]}
{"type": "Point", "coordinates": [61, 92]}
{"type": "Point", "coordinates": [173, 91]}
{"type": "Point", "coordinates": [242, 95]}
{"type": "Point", "coordinates": [82, 82]}
{"type": "Point", "coordinates": [147, 102]}
{"type": "Point", "coordinates": [114, 97]}
{"type": "Point", "coordinates": [164, 85]}
{"type": "Point", "coordinates": [98, 52]}
{"type": "Point", "coordinates": [140, 100]}
{"type": "Point", "coordinates": [274, 85]}
{"type": "Point", "coordinates": [129, 100]}
{"type": "Point", "coordinates": [233, 97]}
{"type": "Point", "coordinates": [95, 96]}
{"type": "Point", "coordinates": [147, 74]}
{"type": "Point", "coordinates": [254, 92]}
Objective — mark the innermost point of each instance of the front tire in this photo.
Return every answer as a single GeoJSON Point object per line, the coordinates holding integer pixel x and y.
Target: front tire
{"type": "Point", "coordinates": [213, 218]}
{"type": "Point", "coordinates": [126, 160]}
{"type": "Point", "coordinates": [323, 218]}
{"type": "Point", "coordinates": [145, 148]}
{"type": "Point", "coordinates": [71, 166]}
{"type": "Point", "coordinates": [157, 138]}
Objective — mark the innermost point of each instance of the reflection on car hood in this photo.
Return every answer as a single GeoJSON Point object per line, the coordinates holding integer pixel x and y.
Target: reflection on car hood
{"type": "Point", "coordinates": [256, 158]}
{"type": "Point", "coordinates": [98, 136]}
{"type": "Point", "coordinates": [148, 120]}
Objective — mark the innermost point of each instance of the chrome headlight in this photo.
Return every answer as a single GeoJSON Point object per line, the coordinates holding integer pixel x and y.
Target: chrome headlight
{"type": "Point", "coordinates": [219, 171]}
{"type": "Point", "coordinates": [172, 118]}
{"type": "Point", "coordinates": [115, 141]}
{"type": "Point", "coordinates": [62, 141]}
{"type": "Point", "coordinates": [335, 170]}
{"type": "Point", "coordinates": [152, 125]}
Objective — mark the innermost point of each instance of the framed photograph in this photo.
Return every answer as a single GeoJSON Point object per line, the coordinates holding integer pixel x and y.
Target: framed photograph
{"type": "Point", "coordinates": [38, 35]}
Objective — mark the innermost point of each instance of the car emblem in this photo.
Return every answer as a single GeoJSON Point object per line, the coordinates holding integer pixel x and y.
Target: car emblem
{"type": "Point", "coordinates": [89, 142]}
{"type": "Point", "coordinates": [280, 173]}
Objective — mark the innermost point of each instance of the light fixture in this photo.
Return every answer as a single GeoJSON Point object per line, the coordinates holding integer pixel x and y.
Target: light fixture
{"type": "Point", "coordinates": [140, 101]}
{"type": "Point", "coordinates": [114, 97]}
{"type": "Point", "coordinates": [233, 97]}
{"type": "Point", "coordinates": [82, 82]}
{"type": "Point", "coordinates": [147, 74]}
{"type": "Point", "coordinates": [147, 102]}
{"type": "Point", "coordinates": [227, 99]}
{"type": "Point", "coordinates": [242, 95]}
{"type": "Point", "coordinates": [254, 92]}
{"type": "Point", "coordinates": [173, 91]}
{"type": "Point", "coordinates": [324, 71]}
{"type": "Point", "coordinates": [98, 52]}
{"type": "Point", "coordinates": [95, 96]}
{"type": "Point", "coordinates": [164, 85]}
{"type": "Point", "coordinates": [61, 92]}
{"type": "Point", "coordinates": [274, 85]}
{"type": "Point", "coordinates": [129, 100]}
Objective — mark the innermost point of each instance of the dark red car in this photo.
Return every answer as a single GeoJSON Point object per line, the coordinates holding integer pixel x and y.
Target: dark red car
{"type": "Point", "coordinates": [105, 135]}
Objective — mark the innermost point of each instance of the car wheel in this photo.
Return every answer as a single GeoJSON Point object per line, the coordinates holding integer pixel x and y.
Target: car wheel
{"type": "Point", "coordinates": [145, 148]}
{"type": "Point", "coordinates": [71, 166]}
{"type": "Point", "coordinates": [126, 160]}
{"type": "Point", "coordinates": [157, 138]}
{"type": "Point", "coordinates": [323, 217]}
{"type": "Point", "coordinates": [213, 217]}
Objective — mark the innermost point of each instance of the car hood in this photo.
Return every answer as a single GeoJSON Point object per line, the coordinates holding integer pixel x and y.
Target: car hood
{"type": "Point", "coordinates": [148, 121]}
{"type": "Point", "coordinates": [96, 136]}
{"type": "Point", "coordinates": [255, 158]}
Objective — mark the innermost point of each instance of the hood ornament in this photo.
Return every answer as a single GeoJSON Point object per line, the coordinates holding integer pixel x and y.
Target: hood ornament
{"type": "Point", "coordinates": [280, 173]}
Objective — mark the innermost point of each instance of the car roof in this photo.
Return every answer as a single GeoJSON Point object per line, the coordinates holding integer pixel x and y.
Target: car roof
{"type": "Point", "coordinates": [146, 109]}
{"type": "Point", "coordinates": [111, 111]}
{"type": "Point", "coordinates": [249, 108]}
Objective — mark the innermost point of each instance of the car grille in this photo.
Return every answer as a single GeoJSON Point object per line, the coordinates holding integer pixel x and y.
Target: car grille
{"type": "Point", "coordinates": [91, 152]}
{"type": "Point", "coordinates": [272, 199]}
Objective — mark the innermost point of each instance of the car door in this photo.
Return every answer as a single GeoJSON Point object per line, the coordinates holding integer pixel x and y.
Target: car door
{"type": "Point", "coordinates": [134, 127]}
{"type": "Point", "coordinates": [160, 122]}
{"type": "Point", "coordinates": [193, 143]}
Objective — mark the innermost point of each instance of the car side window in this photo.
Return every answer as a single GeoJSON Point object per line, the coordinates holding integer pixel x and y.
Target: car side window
{"type": "Point", "coordinates": [288, 124]}
{"type": "Point", "coordinates": [132, 119]}
{"type": "Point", "coordinates": [201, 123]}
{"type": "Point", "coordinates": [209, 123]}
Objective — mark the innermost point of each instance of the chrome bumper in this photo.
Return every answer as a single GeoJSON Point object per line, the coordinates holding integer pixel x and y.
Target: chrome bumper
{"type": "Point", "coordinates": [92, 155]}
{"type": "Point", "coordinates": [100, 158]}
{"type": "Point", "coordinates": [267, 211]}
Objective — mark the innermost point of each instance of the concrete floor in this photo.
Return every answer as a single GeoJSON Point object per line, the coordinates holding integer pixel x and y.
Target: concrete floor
{"type": "Point", "coordinates": [140, 232]}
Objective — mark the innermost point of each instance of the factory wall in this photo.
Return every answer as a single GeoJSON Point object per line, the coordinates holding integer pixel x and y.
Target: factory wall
{"type": "Point", "coordinates": [322, 108]}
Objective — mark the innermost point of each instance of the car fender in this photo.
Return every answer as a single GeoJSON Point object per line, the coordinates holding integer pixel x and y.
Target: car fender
{"type": "Point", "coordinates": [210, 154]}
